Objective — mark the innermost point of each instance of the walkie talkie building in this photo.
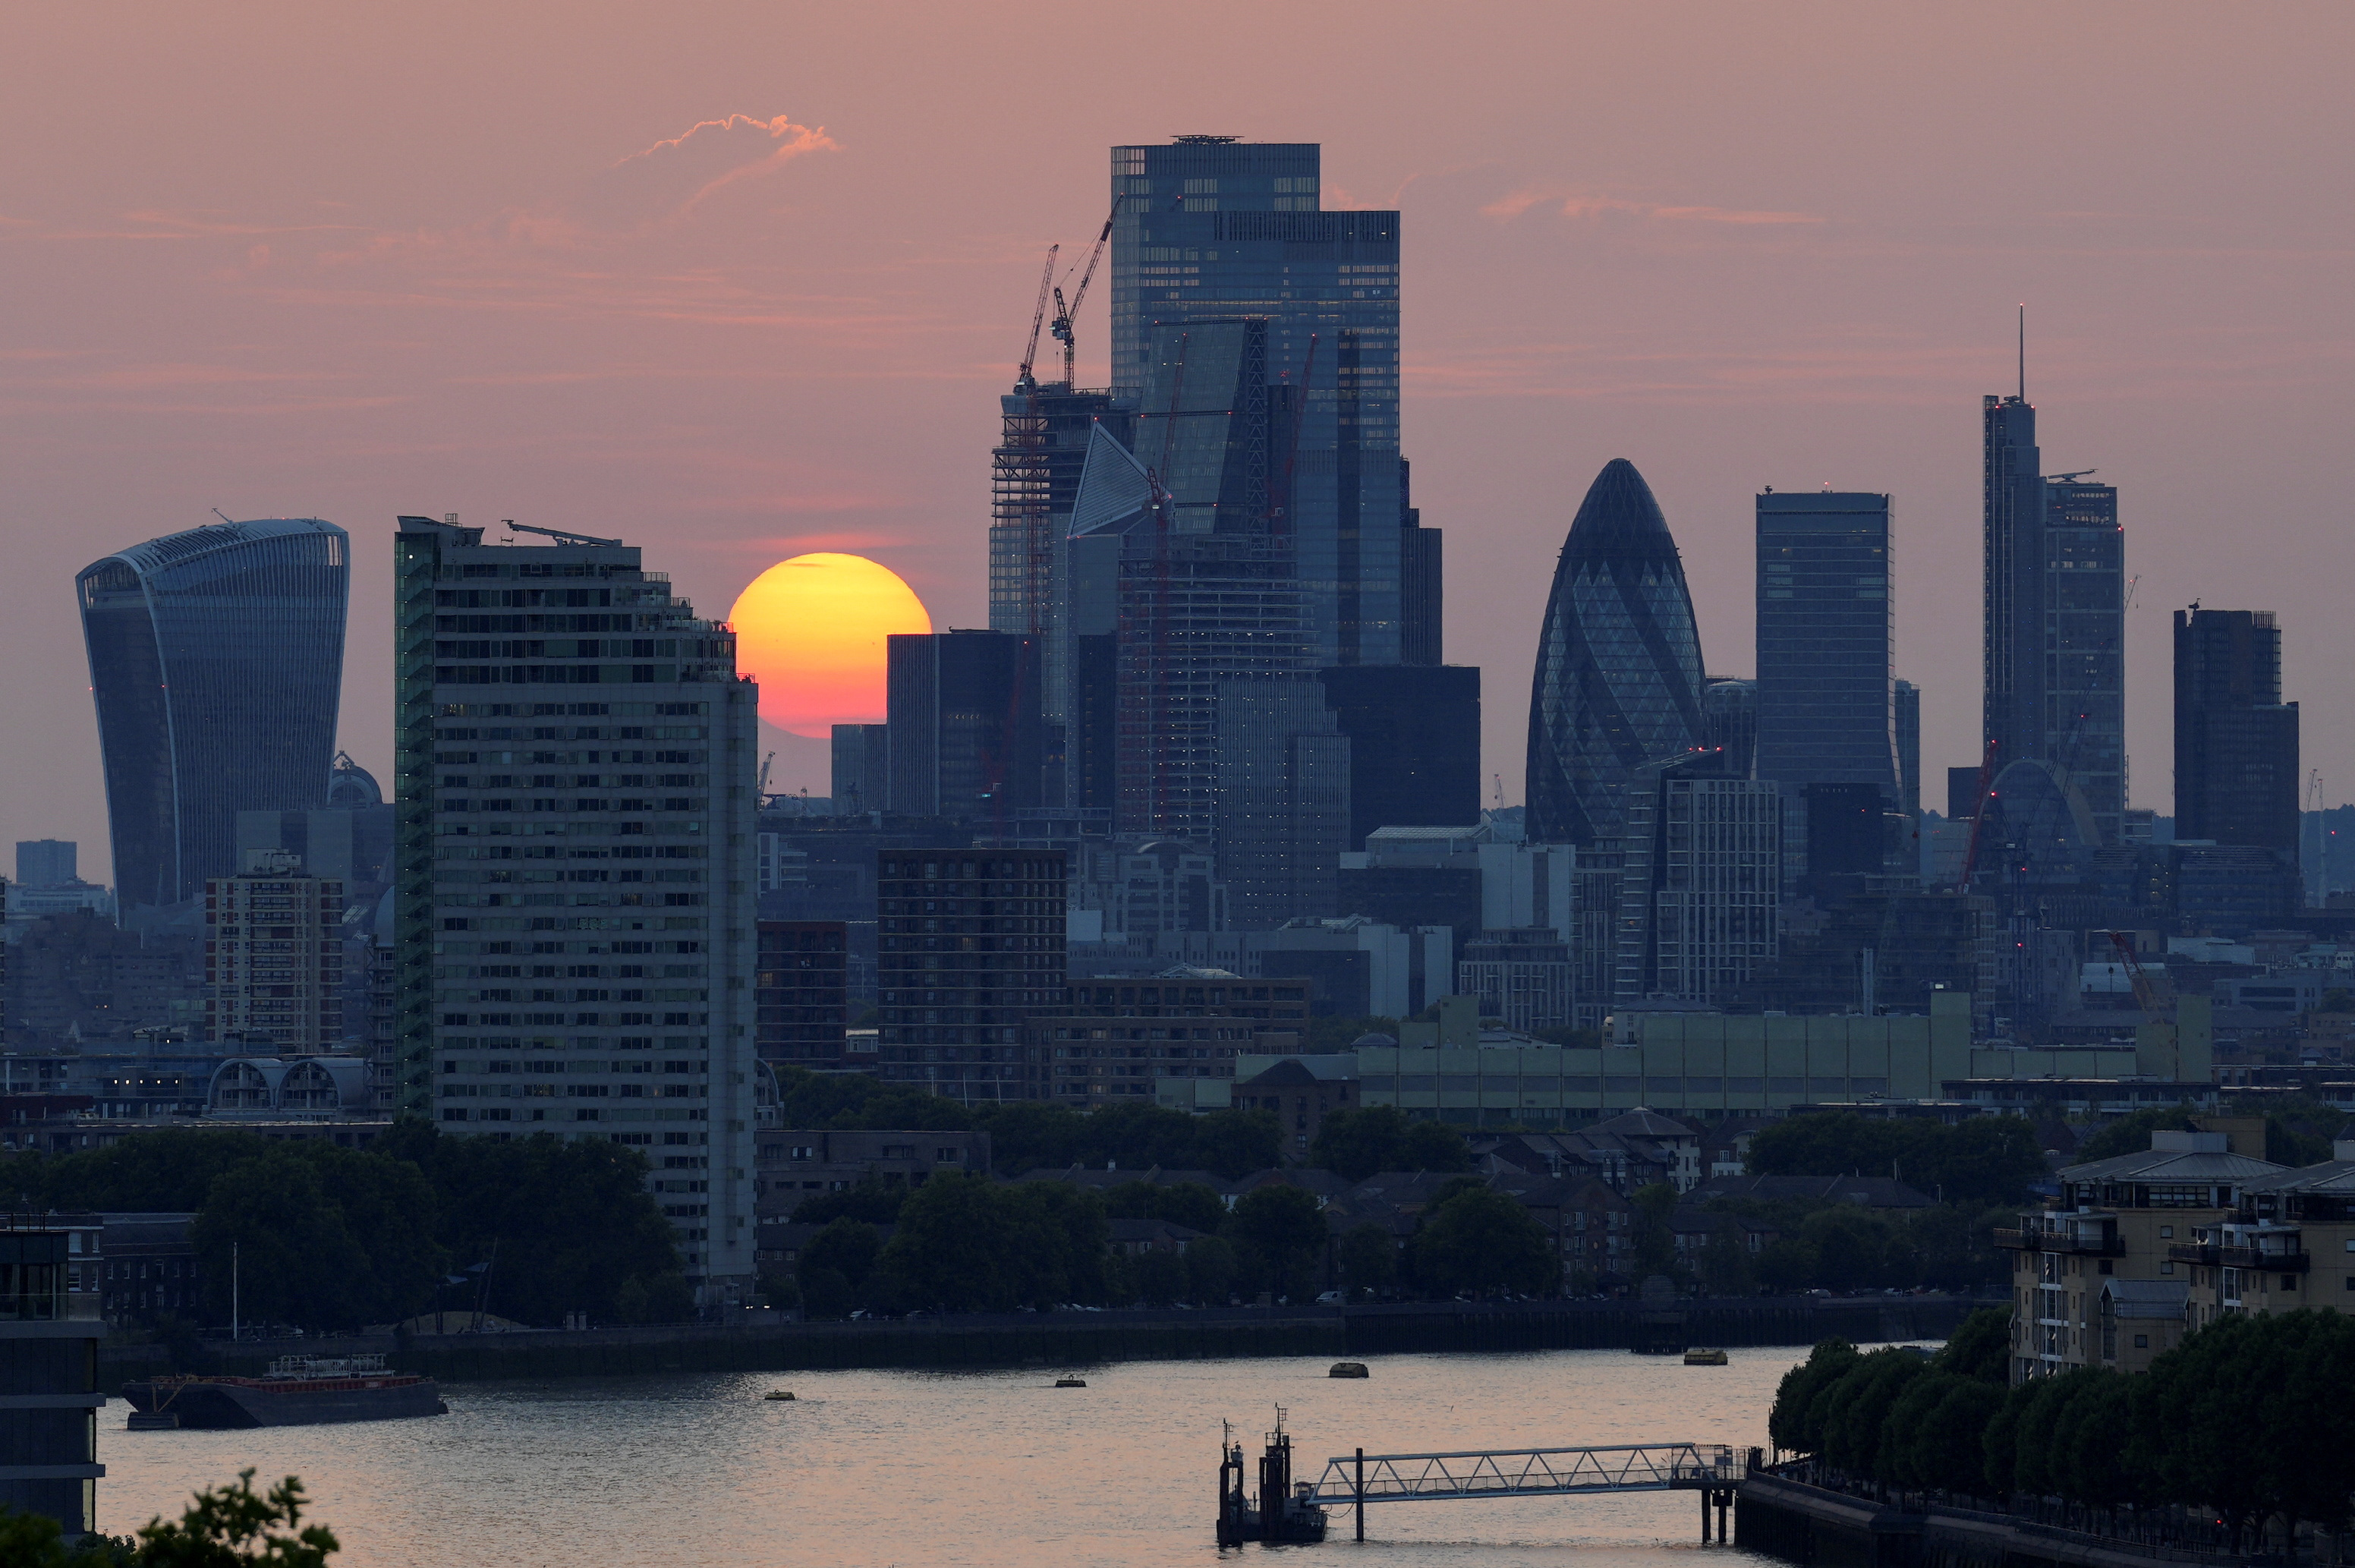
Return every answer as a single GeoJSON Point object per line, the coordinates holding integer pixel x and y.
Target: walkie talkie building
{"type": "Point", "coordinates": [217, 664]}
{"type": "Point", "coordinates": [1618, 677]}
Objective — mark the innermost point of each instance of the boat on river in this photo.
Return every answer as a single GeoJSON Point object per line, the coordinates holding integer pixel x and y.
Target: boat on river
{"type": "Point", "coordinates": [297, 1390]}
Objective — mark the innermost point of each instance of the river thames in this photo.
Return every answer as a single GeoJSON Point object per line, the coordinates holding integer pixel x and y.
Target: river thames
{"type": "Point", "coordinates": [867, 1469]}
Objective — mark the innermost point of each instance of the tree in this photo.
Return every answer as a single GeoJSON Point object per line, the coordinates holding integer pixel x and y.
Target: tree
{"type": "Point", "coordinates": [1326, 1036]}
{"type": "Point", "coordinates": [1031, 1134]}
{"type": "Point", "coordinates": [558, 1223]}
{"type": "Point", "coordinates": [223, 1527]}
{"type": "Point", "coordinates": [1279, 1229]}
{"type": "Point", "coordinates": [2130, 1134]}
{"type": "Point", "coordinates": [1479, 1240]}
{"type": "Point", "coordinates": [1980, 1347]}
{"type": "Point", "coordinates": [1356, 1143]}
{"type": "Point", "coordinates": [1985, 1160]}
{"type": "Point", "coordinates": [170, 1170]}
{"type": "Point", "coordinates": [847, 1248]}
{"type": "Point", "coordinates": [1857, 1411]}
{"type": "Point", "coordinates": [1160, 1275]}
{"type": "Point", "coordinates": [1793, 1424]}
{"type": "Point", "coordinates": [875, 1201]}
{"type": "Point", "coordinates": [1233, 1144]}
{"type": "Point", "coordinates": [1369, 1258]}
{"type": "Point", "coordinates": [1935, 1432]}
{"type": "Point", "coordinates": [1656, 1241]}
{"type": "Point", "coordinates": [950, 1252]}
{"type": "Point", "coordinates": [1211, 1268]}
{"type": "Point", "coordinates": [1725, 1267]}
{"type": "Point", "coordinates": [271, 1235]}
{"type": "Point", "coordinates": [1187, 1203]}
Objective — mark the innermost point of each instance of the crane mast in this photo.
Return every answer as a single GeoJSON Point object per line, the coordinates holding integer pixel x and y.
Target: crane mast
{"type": "Point", "coordinates": [1061, 327]}
{"type": "Point", "coordinates": [1023, 380]}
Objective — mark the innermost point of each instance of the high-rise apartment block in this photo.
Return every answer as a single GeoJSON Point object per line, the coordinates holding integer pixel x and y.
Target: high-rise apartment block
{"type": "Point", "coordinates": [46, 863]}
{"type": "Point", "coordinates": [1700, 888]}
{"type": "Point", "coordinates": [2054, 557]}
{"type": "Point", "coordinates": [862, 768]}
{"type": "Point", "coordinates": [1825, 694]}
{"type": "Point", "coordinates": [800, 991]}
{"type": "Point", "coordinates": [575, 759]}
{"type": "Point", "coordinates": [964, 726]}
{"type": "Point", "coordinates": [217, 664]}
{"type": "Point", "coordinates": [1214, 229]}
{"type": "Point", "coordinates": [275, 957]}
{"type": "Point", "coordinates": [970, 945]}
{"type": "Point", "coordinates": [2236, 742]}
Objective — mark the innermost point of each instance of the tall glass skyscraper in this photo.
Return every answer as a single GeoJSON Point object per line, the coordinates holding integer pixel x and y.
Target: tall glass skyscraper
{"type": "Point", "coordinates": [2054, 615]}
{"type": "Point", "coordinates": [1826, 696]}
{"type": "Point", "coordinates": [217, 664]}
{"type": "Point", "coordinates": [1619, 677]}
{"type": "Point", "coordinates": [1213, 228]}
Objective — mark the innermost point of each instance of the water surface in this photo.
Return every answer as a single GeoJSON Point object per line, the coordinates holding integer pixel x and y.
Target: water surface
{"type": "Point", "coordinates": [866, 1469]}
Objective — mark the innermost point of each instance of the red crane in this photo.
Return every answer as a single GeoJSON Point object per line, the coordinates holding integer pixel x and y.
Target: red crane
{"type": "Point", "coordinates": [1979, 815]}
{"type": "Point", "coordinates": [1061, 327]}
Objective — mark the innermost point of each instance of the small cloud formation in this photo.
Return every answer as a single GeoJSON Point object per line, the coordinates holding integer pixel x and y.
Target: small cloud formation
{"type": "Point", "coordinates": [671, 177]}
{"type": "Point", "coordinates": [1586, 205]}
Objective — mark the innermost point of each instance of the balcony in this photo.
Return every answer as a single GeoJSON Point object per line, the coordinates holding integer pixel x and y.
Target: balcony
{"type": "Point", "coordinates": [2194, 1253]}
{"type": "Point", "coordinates": [2265, 1262]}
{"type": "Point", "coordinates": [2092, 1245]}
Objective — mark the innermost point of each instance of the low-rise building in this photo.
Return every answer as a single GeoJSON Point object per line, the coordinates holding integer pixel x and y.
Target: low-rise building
{"type": "Point", "coordinates": [792, 1164]}
{"type": "Point", "coordinates": [2122, 1218]}
{"type": "Point", "coordinates": [1301, 1092]}
{"type": "Point", "coordinates": [49, 1334]}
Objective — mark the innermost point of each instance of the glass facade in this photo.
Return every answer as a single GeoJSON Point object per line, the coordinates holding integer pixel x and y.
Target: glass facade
{"type": "Point", "coordinates": [2236, 742]}
{"type": "Point", "coordinates": [1825, 709]}
{"type": "Point", "coordinates": [1414, 733]}
{"type": "Point", "coordinates": [1211, 227]}
{"type": "Point", "coordinates": [1618, 677]}
{"type": "Point", "coordinates": [1034, 481]}
{"type": "Point", "coordinates": [217, 665]}
{"type": "Point", "coordinates": [2054, 559]}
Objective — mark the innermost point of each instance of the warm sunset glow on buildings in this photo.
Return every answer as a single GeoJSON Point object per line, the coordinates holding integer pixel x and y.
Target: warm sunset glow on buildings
{"type": "Point", "coordinates": [811, 631]}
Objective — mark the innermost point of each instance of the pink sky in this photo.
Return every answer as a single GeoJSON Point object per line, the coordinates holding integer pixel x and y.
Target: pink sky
{"type": "Point", "coordinates": [739, 281]}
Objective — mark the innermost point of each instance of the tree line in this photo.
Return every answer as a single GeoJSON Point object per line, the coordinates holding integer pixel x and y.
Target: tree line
{"type": "Point", "coordinates": [2245, 1418]}
{"type": "Point", "coordinates": [960, 1242]}
{"type": "Point", "coordinates": [321, 1237]}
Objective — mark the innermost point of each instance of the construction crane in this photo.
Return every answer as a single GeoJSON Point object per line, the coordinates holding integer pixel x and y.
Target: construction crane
{"type": "Point", "coordinates": [2146, 994]}
{"type": "Point", "coordinates": [1061, 327]}
{"type": "Point", "coordinates": [761, 790]}
{"type": "Point", "coordinates": [1023, 380]}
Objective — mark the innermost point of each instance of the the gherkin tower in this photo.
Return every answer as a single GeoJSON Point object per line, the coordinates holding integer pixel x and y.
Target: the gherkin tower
{"type": "Point", "coordinates": [1619, 670]}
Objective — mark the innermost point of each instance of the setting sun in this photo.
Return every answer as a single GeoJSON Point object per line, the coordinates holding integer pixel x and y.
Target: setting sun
{"type": "Point", "coordinates": [811, 631]}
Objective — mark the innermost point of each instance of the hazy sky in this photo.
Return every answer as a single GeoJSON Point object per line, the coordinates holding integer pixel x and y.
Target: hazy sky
{"type": "Point", "coordinates": [739, 281]}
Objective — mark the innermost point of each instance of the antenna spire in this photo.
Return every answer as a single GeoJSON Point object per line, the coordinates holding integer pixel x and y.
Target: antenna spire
{"type": "Point", "coordinates": [2023, 351]}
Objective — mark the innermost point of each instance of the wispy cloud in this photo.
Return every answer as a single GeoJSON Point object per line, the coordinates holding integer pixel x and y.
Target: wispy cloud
{"type": "Point", "coordinates": [1590, 205]}
{"type": "Point", "coordinates": [671, 179]}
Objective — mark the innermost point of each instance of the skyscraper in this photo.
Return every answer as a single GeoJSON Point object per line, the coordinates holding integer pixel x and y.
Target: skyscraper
{"type": "Point", "coordinates": [1034, 481]}
{"type": "Point", "coordinates": [965, 725]}
{"type": "Point", "coordinates": [575, 764]}
{"type": "Point", "coordinates": [217, 662]}
{"type": "Point", "coordinates": [2054, 557]}
{"type": "Point", "coordinates": [2236, 741]}
{"type": "Point", "coordinates": [1909, 747]}
{"type": "Point", "coordinates": [1826, 696]}
{"type": "Point", "coordinates": [1213, 228]}
{"type": "Point", "coordinates": [1618, 675]}
{"type": "Point", "coordinates": [1176, 565]}
{"type": "Point", "coordinates": [1414, 744]}
{"type": "Point", "coordinates": [970, 944]}
{"type": "Point", "coordinates": [1701, 889]}
{"type": "Point", "coordinates": [1284, 799]}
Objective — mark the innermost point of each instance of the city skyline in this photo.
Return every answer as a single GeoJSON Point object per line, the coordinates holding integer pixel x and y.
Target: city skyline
{"type": "Point", "coordinates": [1818, 298]}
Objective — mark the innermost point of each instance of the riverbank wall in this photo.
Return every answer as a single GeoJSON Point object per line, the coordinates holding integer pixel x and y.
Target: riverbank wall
{"type": "Point", "coordinates": [1080, 1338]}
{"type": "Point", "coordinates": [1819, 1527]}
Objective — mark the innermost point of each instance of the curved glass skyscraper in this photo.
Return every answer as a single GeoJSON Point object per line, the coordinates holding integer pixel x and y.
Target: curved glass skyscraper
{"type": "Point", "coordinates": [217, 661]}
{"type": "Point", "coordinates": [1618, 672]}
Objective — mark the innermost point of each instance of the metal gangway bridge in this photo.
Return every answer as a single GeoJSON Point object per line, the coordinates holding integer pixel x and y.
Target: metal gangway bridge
{"type": "Point", "coordinates": [1354, 1480]}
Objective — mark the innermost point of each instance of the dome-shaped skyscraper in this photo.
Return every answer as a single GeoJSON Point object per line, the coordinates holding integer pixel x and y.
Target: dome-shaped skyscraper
{"type": "Point", "coordinates": [1618, 671]}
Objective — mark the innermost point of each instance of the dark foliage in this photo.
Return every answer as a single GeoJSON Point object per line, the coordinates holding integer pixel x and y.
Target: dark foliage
{"type": "Point", "coordinates": [1984, 1161]}
{"type": "Point", "coordinates": [1356, 1143]}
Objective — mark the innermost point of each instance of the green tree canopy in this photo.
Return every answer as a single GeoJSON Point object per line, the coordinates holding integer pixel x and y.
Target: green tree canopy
{"type": "Point", "coordinates": [1980, 1347]}
{"type": "Point", "coordinates": [877, 1203]}
{"type": "Point", "coordinates": [1478, 1239]}
{"type": "Point", "coordinates": [1984, 1161]}
{"type": "Point", "coordinates": [1356, 1143]}
{"type": "Point", "coordinates": [1794, 1423]}
{"type": "Point", "coordinates": [2130, 1134]}
{"type": "Point", "coordinates": [1187, 1203]}
{"type": "Point", "coordinates": [1369, 1258]}
{"type": "Point", "coordinates": [1279, 1230]}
